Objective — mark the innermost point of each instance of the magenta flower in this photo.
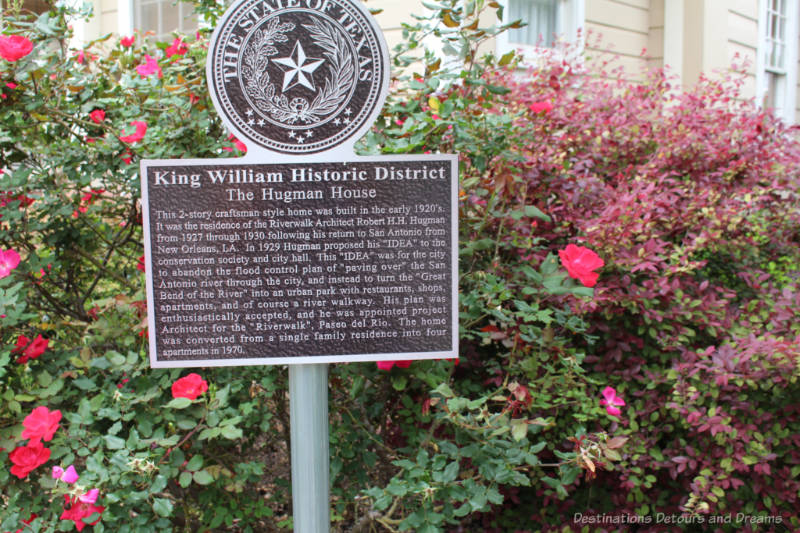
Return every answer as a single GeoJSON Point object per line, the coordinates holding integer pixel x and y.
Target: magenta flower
{"type": "Point", "coordinates": [90, 497]}
{"type": "Point", "coordinates": [9, 259]}
{"type": "Point", "coordinates": [611, 401]}
{"type": "Point", "coordinates": [149, 67]}
{"type": "Point", "coordinates": [387, 365]}
{"type": "Point", "coordinates": [70, 475]}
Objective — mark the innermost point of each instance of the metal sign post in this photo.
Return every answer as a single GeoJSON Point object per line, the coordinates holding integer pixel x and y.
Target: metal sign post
{"type": "Point", "coordinates": [308, 397]}
{"type": "Point", "coordinates": [300, 253]}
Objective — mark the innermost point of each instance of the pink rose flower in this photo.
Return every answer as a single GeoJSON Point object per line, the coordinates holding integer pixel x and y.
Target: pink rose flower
{"type": "Point", "coordinates": [611, 401]}
{"type": "Point", "coordinates": [149, 67]}
{"type": "Point", "coordinates": [70, 475]}
{"type": "Point", "coordinates": [14, 47]}
{"type": "Point", "coordinates": [9, 259]}
{"type": "Point", "coordinates": [127, 42]}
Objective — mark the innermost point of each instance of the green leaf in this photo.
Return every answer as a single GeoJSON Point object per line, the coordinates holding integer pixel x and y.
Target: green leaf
{"type": "Point", "coordinates": [202, 477]}
{"type": "Point", "coordinates": [195, 463]}
{"type": "Point", "coordinates": [450, 472]}
{"type": "Point", "coordinates": [231, 432]}
{"type": "Point", "coordinates": [179, 403]}
{"type": "Point", "coordinates": [162, 507]}
{"type": "Point", "coordinates": [185, 479]}
{"type": "Point", "coordinates": [535, 212]}
{"type": "Point", "coordinates": [519, 429]}
{"type": "Point", "coordinates": [114, 443]}
{"type": "Point", "coordinates": [84, 383]}
{"type": "Point", "coordinates": [506, 58]}
{"type": "Point", "coordinates": [399, 382]}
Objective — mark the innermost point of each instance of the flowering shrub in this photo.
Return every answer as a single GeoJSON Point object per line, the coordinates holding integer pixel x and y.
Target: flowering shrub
{"type": "Point", "coordinates": [628, 304]}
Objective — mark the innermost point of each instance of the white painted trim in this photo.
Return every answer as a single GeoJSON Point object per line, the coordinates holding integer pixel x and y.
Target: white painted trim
{"type": "Point", "coordinates": [125, 18]}
{"type": "Point", "coordinates": [673, 37]}
{"type": "Point", "coordinates": [792, 24]}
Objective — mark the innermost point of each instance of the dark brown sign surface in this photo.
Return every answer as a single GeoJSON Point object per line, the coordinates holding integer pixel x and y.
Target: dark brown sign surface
{"type": "Point", "coordinates": [321, 262]}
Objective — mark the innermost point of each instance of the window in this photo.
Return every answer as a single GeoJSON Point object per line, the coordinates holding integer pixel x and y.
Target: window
{"type": "Point", "coordinates": [545, 21]}
{"type": "Point", "coordinates": [542, 21]}
{"type": "Point", "coordinates": [777, 71]}
{"type": "Point", "coordinates": [164, 17]}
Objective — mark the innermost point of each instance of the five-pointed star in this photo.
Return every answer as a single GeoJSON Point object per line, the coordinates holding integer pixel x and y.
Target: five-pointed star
{"type": "Point", "coordinates": [298, 68]}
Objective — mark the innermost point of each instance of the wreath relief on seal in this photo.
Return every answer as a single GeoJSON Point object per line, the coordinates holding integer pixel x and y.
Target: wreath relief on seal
{"type": "Point", "coordinates": [338, 81]}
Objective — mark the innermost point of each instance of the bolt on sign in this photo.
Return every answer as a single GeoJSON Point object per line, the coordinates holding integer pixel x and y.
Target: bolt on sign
{"type": "Point", "coordinates": [300, 252]}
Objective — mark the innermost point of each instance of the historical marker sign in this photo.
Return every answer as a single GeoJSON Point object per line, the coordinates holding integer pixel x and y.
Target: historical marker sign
{"type": "Point", "coordinates": [300, 252]}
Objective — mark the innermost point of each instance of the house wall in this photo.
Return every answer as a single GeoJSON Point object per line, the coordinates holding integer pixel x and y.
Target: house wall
{"type": "Point", "coordinates": [742, 23]}
{"type": "Point", "coordinates": [107, 11]}
{"type": "Point", "coordinates": [623, 29]}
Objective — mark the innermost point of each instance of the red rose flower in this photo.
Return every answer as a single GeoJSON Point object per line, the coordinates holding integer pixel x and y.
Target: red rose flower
{"type": "Point", "coordinates": [541, 107]}
{"type": "Point", "coordinates": [98, 115]}
{"type": "Point", "coordinates": [138, 134]}
{"type": "Point", "coordinates": [580, 262]}
{"type": "Point", "coordinates": [237, 143]}
{"type": "Point", "coordinates": [178, 47]}
{"type": "Point", "coordinates": [33, 350]}
{"type": "Point", "coordinates": [14, 47]}
{"type": "Point", "coordinates": [27, 522]}
{"type": "Point", "coordinates": [41, 424]}
{"type": "Point", "coordinates": [76, 510]}
{"type": "Point", "coordinates": [387, 365]}
{"type": "Point", "coordinates": [190, 386]}
{"type": "Point", "coordinates": [22, 342]}
{"type": "Point", "coordinates": [26, 458]}
{"type": "Point", "coordinates": [127, 41]}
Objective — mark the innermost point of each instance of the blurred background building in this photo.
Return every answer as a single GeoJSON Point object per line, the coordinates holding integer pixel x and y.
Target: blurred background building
{"type": "Point", "coordinates": [687, 36]}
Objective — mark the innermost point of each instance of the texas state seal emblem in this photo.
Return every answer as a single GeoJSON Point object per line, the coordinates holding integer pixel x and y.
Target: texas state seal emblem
{"type": "Point", "coordinates": [298, 76]}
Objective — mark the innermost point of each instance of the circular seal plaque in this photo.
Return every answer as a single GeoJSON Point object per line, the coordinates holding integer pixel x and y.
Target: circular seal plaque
{"type": "Point", "coordinates": [298, 76]}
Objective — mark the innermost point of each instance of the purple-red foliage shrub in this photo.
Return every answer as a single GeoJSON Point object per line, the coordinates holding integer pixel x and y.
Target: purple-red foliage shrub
{"type": "Point", "coordinates": [691, 198]}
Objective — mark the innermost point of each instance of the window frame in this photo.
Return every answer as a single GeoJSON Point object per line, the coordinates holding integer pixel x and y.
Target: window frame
{"type": "Point", "coordinates": [570, 22]}
{"type": "Point", "coordinates": [782, 81]}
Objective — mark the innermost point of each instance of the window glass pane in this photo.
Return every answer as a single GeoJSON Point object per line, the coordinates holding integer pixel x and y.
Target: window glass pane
{"type": "Point", "coordinates": [540, 17]}
{"type": "Point", "coordinates": [170, 18]}
{"type": "Point", "coordinates": [149, 18]}
{"type": "Point", "coordinates": [189, 22]}
{"type": "Point", "coordinates": [163, 17]}
{"type": "Point", "coordinates": [776, 35]}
